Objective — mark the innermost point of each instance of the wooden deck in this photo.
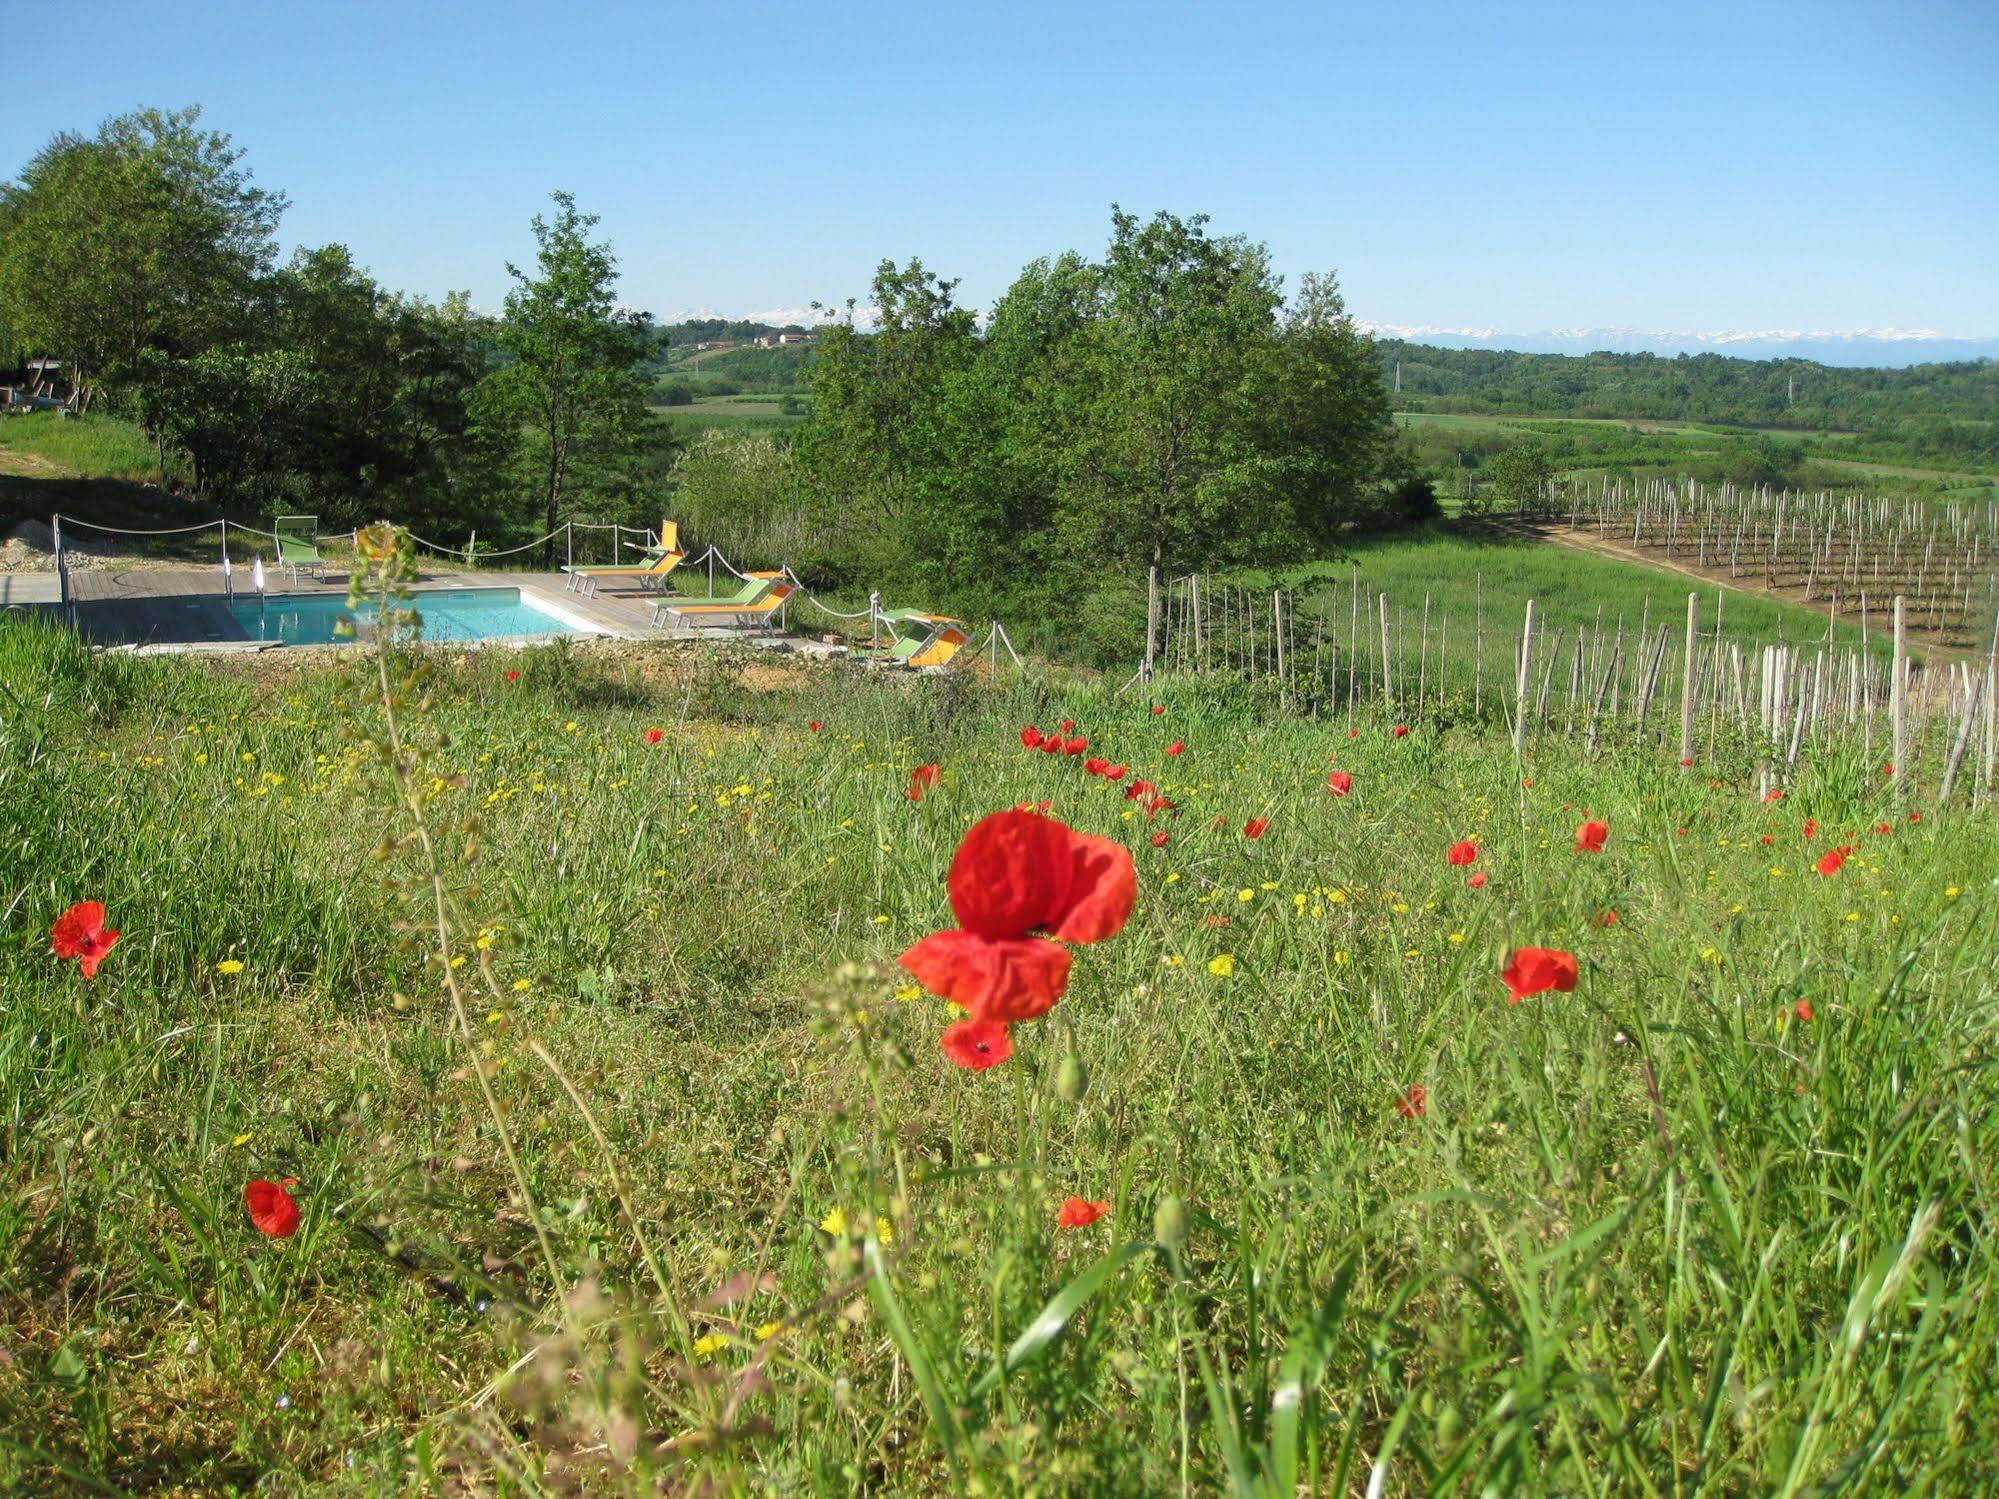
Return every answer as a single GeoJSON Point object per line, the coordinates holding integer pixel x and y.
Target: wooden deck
{"type": "Point", "coordinates": [156, 606]}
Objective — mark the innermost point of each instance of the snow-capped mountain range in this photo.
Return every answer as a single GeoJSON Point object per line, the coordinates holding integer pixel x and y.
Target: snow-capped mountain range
{"type": "Point", "coordinates": [1871, 347]}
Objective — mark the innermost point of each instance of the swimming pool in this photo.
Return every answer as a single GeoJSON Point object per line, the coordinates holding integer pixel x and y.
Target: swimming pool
{"type": "Point", "coordinates": [447, 613]}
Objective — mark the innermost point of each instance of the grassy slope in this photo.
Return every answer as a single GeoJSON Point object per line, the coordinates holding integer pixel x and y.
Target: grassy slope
{"type": "Point", "coordinates": [98, 447]}
{"type": "Point", "coordinates": [1772, 1269]}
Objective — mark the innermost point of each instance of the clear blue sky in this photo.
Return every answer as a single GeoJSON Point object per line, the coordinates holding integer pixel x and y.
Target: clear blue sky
{"type": "Point", "coordinates": [1516, 165]}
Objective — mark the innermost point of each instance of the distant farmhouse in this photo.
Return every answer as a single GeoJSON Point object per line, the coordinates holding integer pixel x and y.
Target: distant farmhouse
{"type": "Point", "coordinates": [778, 340]}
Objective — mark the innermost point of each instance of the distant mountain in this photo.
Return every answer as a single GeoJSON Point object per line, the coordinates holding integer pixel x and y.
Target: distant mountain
{"type": "Point", "coordinates": [1872, 348]}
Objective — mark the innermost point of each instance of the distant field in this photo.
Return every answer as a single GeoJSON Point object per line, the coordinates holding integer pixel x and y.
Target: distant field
{"type": "Point", "coordinates": [49, 445]}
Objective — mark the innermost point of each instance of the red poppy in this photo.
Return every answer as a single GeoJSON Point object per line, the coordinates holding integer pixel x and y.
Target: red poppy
{"type": "Point", "coordinates": [1402, 731]}
{"type": "Point", "coordinates": [1137, 789]}
{"type": "Point", "coordinates": [271, 1208]}
{"type": "Point", "coordinates": [1811, 827]}
{"type": "Point", "coordinates": [1115, 772]}
{"type": "Point", "coordinates": [1590, 837]}
{"type": "Point", "coordinates": [1159, 840]}
{"type": "Point", "coordinates": [1353, 733]}
{"type": "Point", "coordinates": [1177, 747]}
{"type": "Point", "coordinates": [1829, 863]}
{"type": "Point", "coordinates": [1076, 1213]}
{"type": "Point", "coordinates": [1463, 852]}
{"type": "Point", "coordinates": [1157, 805]}
{"type": "Point", "coordinates": [1415, 1103]}
{"type": "Point", "coordinates": [1157, 709]}
{"type": "Point", "coordinates": [1068, 724]}
{"type": "Point", "coordinates": [1768, 838]}
{"type": "Point", "coordinates": [1339, 783]}
{"type": "Point", "coordinates": [922, 779]}
{"type": "Point", "coordinates": [653, 736]}
{"type": "Point", "coordinates": [514, 675]}
{"type": "Point", "coordinates": [1096, 765]}
{"type": "Point", "coordinates": [1686, 764]}
{"type": "Point", "coordinates": [813, 726]}
{"type": "Point", "coordinates": [1883, 827]}
{"type": "Point", "coordinates": [1679, 832]}
{"type": "Point", "coordinates": [1017, 875]}
{"type": "Point", "coordinates": [1535, 970]}
{"type": "Point", "coordinates": [1477, 881]}
{"type": "Point", "coordinates": [1052, 745]}
{"type": "Point", "coordinates": [1211, 922]}
{"type": "Point", "coordinates": [1802, 1009]}
{"type": "Point", "coordinates": [80, 933]}
{"type": "Point", "coordinates": [1255, 826]}
{"type": "Point", "coordinates": [1774, 794]}
{"type": "Point", "coordinates": [1528, 784]}
{"type": "Point", "coordinates": [1915, 817]}
{"type": "Point", "coordinates": [1075, 746]}
{"type": "Point", "coordinates": [1030, 737]}
{"type": "Point", "coordinates": [1608, 918]}
{"type": "Point", "coordinates": [1887, 770]}
{"type": "Point", "coordinates": [976, 1045]}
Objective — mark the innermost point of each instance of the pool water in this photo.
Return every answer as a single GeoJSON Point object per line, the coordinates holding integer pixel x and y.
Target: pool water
{"type": "Point", "coordinates": [448, 614]}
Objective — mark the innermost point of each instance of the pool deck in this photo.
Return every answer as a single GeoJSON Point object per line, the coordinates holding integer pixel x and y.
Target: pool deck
{"type": "Point", "coordinates": [173, 609]}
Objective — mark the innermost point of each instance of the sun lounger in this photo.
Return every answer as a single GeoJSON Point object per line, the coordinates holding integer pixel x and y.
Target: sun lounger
{"type": "Point", "coordinates": [661, 560]}
{"type": "Point", "coordinates": [298, 545]}
{"type": "Point", "coordinates": [761, 595]}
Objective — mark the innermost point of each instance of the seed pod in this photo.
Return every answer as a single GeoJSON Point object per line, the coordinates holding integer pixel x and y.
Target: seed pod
{"type": "Point", "coordinates": [1072, 1079]}
{"type": "Point", "coordinates": [1169, 1223]}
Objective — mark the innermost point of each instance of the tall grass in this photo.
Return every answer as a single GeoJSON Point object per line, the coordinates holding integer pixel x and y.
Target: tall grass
{"type": "Point", "coordinates": [98, 447]}
{"type": "Point", "coordinates": [1660, 1235]}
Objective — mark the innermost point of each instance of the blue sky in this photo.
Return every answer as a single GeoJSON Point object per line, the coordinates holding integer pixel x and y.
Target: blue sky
{"type": "Point", "coordinates": [1520, 166]}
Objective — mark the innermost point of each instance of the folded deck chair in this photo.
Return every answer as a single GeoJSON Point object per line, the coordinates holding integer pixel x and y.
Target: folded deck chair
{"type": "Point", "coordinates": [758, 598]}
{"type": "Point", "coordinates": [298, 545]}
{"type": "Point", "coordinates": [661, 559]}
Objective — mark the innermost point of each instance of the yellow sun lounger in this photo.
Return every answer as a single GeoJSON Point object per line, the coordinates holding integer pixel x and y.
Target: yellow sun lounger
{"type": "Point", "coordinates": [668, 556]}
{"type": "Point", "coordinates": [759, 598]}
{"type": "Point", "coordinates": [949, 641]}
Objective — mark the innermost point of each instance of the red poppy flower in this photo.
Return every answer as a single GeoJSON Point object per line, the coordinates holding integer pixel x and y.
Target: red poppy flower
{"type": "Point", "coordinates": [1177, 747]}
{"type": "Point", "coordinates": [1339, 783]}
{"type": "Point", "coordinates": [1415, 1103]}
{"type": "Point", "coordinates": [1255, 826]}
{"type": "Point", "coordinates": [1802, 1009]}
{"type": "Point", "coordinates": [1830, 862]}
{"type": "Point", "coordinates": [1030, 737]}
{"type": "Point", "coordinates": [1076, 1213]}
{"type": "Point", "coordinates": [1477, 881]}
{"type": "Point", "coordinates": [1774, 794]}
{"type": "Point", "coordinates": [1608, 918]}
{"type": "Point", "coordinates": [976, 1045]}
{"type": "Point", "coordinates": [1811, 827]}
{"type": "Point", "coordinates": [1157, 805]}
{"type": "Point", "coordinates": [1883, 827]}
{"type": "Point", "coordinates": [80, 933]}
{"type": "Point", "coordinates": [1211, 922]}
{"type": "Point", "coordinates": [1115, 772]}
{"type": "Point", "coordinates": [653, 736]}
{"type": "Point", "coordinates": [1353, 733]}
{"type": "Point", "coordinates": [1463, 852]}
{"type": "Point", "coordinates": [1887, 770]}
{"type": "Point", "coordinates": [1096, 765]}
{"type": "Point", "coordinates": [1157, 709]}
{"type": "Point", "coordinates": [1402, 731]}
{"type": "Point", "coordinates": [1068, 724]}
{"type": "Point", "coordinates": [1679, 832]}
{"type": "Point", "coordinates": [1159, 840]}
{"type": "Point", "coordinates": [813, 726]}
{"type": "Point", "coordinates": [1017, 875]}
{"type": "Point", "coordinates": [1768, 838]}
{"type": "Point", "coordinates": [1535, 970]}
{"type": "Point", "coordinates": [1075, 746]}
{"type": "Point", "coordinates": [1915, 817]}
{"type": "Point", "coordinates": [1137, 789]}
{"type": "Point", "coordinates": [1590, 837]}
{"type": "Point", "coordinates": [514, 675]}
{"type": "Point", "coordinates": [1686, 764]}
{"type": "Point", "coordinates": [1052, 745]}
{"type": "Point", "coordinates": [1529, 785]}
{"type": "Point", "coordinates": [271, 1208]}
{"type": "Point", "coordinates": [921, 780]}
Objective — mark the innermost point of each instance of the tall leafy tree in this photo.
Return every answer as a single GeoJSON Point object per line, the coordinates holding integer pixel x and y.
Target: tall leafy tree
{"type": "Point", "coordinates": [570, 399]}
{"type": "Point", "coordinates": [148, 236]}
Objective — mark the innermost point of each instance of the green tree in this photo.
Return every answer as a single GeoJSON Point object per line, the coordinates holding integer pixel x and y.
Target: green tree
{"type": "Point", "coordinates": [570, 400]}
{"type": "Point", "coordinates": [1520, 474]}
{"type": "Point", "coordinates": [148, 235]}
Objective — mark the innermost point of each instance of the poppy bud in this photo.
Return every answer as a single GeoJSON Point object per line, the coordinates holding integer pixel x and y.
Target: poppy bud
{"type": "Point", "coordinates": [1072, 1079]}
{"type": "Point", "coordinates": [1169, 1223]}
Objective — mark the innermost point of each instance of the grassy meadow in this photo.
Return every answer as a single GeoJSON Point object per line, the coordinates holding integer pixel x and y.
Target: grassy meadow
{"type": "Point", "coordinates": [628, 1159]}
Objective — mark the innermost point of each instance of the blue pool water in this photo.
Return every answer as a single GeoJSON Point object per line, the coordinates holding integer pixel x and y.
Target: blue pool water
{"type": "Point", "coordinates": [448, 614]}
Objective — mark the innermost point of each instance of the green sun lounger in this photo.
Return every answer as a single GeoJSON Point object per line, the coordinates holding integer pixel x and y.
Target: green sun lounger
{"type": "Point", "coordinates": [758, 597]}
{"type": "Point", "coordinates": [298, 546]}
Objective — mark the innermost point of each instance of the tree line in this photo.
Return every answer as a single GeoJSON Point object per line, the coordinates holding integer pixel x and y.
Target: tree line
{"type": "Point", "coordinates": [145, 258]}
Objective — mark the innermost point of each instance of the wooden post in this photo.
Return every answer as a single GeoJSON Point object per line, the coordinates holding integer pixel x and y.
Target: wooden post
{"type": "Point", "coordinates": [1898, 700]}
{"type": "Point", "coordinates": [1387, 661]}
{"type": "Point", "coordinates": [1151, 618]}
{"type": "Point", "coordinates": [1520, 682]}
{"type": "Point", "coordinates": [1687, 681]}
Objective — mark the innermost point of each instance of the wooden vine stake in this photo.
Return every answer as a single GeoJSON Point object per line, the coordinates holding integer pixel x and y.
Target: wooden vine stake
{"type": "Point", "coordinates": [1687, 681]}
{"type": "Point", "coordinates": [1898, 700]}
